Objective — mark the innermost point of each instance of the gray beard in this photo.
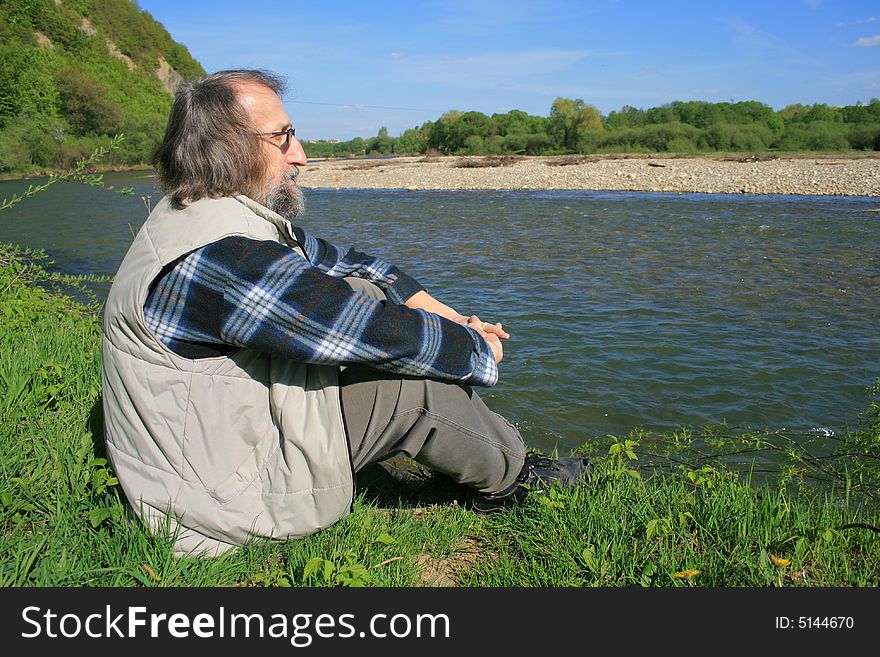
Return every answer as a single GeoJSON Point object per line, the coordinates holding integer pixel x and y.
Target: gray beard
{"type": "Point", "coordinates": [286, 198]}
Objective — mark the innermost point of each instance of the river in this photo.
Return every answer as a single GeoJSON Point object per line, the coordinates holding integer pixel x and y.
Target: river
{"type": "Point", "coordinates": [658, 310]}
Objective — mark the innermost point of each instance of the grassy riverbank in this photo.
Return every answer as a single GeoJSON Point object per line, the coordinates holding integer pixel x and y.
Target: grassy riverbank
{"type": "Point", "coordinates": [63, 521]}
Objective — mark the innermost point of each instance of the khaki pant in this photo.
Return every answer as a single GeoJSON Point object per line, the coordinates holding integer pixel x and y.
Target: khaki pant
{"type": "Point", "coordinates": [443, 426]}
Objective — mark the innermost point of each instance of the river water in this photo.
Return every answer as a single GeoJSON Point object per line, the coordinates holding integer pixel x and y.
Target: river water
{"type": "Point", "coordinates": [657, 310]}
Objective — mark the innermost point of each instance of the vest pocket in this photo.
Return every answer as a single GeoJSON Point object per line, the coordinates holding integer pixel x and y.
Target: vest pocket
{"type": "Point", "coordinates": [231, 487]}
{"type": "Point", "coordinates": [229, 435]}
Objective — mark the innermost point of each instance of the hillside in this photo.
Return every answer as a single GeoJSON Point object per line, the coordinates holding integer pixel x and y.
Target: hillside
{"type": "Point", "coordinates": [75, 72]}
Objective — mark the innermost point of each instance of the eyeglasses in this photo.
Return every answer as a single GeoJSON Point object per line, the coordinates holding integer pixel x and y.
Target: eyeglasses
{"type": "Point", "coordinates": [289, 134]}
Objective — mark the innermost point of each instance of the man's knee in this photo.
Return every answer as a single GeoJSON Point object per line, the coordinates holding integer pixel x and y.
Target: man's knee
{"type": "Point", "coordinates": [366, 288]}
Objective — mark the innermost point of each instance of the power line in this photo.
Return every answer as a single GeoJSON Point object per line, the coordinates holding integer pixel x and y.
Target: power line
{"type": "Point", "coordinates": [358, 105]}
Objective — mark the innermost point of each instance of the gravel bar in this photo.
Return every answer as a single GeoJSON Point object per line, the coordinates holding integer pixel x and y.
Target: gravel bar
{"type": "Point", "coordinates": [858, 176]}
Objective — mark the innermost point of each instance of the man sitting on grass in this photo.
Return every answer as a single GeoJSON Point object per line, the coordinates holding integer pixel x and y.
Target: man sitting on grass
{"type": "Point", "coordinates": [250, 368]}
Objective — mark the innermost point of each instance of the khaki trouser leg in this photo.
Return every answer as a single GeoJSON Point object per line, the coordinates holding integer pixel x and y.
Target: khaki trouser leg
{"type": "Point", "coordinates": [444, 426]}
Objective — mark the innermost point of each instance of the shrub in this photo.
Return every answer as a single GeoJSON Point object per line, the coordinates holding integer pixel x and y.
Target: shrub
{"type": "Point", "coordinates": [815, 136]}
{"type": "Point", "coordinates": [864, 137]}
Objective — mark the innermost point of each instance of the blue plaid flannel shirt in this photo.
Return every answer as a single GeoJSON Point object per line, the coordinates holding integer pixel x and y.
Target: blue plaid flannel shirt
{"type": "Point", "coordinates": [241, 292]}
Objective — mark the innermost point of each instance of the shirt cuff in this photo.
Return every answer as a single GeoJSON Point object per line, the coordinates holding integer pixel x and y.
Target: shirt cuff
{"type": "Point", "coordinates": [403, 288]}
{"type": "Point", "coordinates": [484, 369]}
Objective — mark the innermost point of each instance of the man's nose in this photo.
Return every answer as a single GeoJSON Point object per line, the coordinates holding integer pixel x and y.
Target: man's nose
{"type": "Point", "coordinates": [295, 153]}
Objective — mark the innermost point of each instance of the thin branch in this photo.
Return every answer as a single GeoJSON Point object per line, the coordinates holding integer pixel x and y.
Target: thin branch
{"type": "Point", "coordinates": [387, 561]}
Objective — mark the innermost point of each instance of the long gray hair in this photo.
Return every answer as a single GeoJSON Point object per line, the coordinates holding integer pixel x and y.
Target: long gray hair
{"type": "Point", "coordinates": [209, 148]}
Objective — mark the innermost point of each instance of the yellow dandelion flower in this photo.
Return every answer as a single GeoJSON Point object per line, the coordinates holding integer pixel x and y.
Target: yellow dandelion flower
{"type": "Point", "coordinates": [779, 561]}
{"type": "Point", "coordinates": [685, 574]}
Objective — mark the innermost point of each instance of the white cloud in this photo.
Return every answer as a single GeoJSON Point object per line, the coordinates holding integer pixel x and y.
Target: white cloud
{"type": "Point", "coordinates": [861, 21]}
{"type": "Point", "coordinates": [869, 41]}
{"type": "Point", "coordinates": [852, 83]}
{"type": "Point", "coordinates": [760, 46]}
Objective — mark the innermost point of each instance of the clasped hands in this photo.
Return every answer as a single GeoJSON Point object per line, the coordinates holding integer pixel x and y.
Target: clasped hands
{"type": "Point", "coordinates": [491, 333]}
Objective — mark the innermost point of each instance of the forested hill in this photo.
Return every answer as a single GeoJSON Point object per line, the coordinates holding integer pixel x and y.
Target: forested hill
{"type": "Point", "coordinates": [75, 72]}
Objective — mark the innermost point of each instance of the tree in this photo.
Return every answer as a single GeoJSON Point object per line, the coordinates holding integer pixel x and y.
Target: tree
{"type": "Point", "coordinates": [27, 78]}
{"type": "Point", "coordinates": [450, 133]}
{"type": "Point", "coordinates": [793, 113]}
{"type": "Point", "coordinates": [414, 140]}
{"type": "Point", "coordinates": [517, 122]}
{"type": "Point", "coordinates": [698, 113]}
{"type": "Point", "coordinates": [627, 117]}
{"type": "Point", "coordinates": [382, 143]}
{"type": "Point", "coordinates": [85, 104]}
{"type": "Point", "coordinates": [572, 122]}
{"type": "Point", "coordinates": [473, 145]}
{"type": "Point", "coordinates": [751, 111]}
{"type": "Point", "coordinates": [823, 112]}
{"type": "Point", "coordinates": [29, 142]}
{"type": "Point", "coordinates": [860, 113]}
{"type": "Point", "coordinates": [438, 135]}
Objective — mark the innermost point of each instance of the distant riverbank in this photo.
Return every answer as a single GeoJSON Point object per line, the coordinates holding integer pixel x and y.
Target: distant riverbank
{"type": "Point", "coordinates": [813, 174]}
{"type": "Point", "coordinates": [113, 168]}
{"type": "Point", "coordinates": [736, 174]}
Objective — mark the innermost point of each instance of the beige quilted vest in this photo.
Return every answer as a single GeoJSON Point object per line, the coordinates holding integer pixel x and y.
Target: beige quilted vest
{"type": "Point", "coordinates": [217, 450]}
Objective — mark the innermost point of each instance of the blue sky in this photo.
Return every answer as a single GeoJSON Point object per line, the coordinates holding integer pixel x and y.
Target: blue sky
{"type": "Point", "coordinates": [353, 67]}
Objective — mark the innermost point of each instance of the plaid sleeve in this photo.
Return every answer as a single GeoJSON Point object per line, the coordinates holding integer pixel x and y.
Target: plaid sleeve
{"type": "Point", "coordinates": [339, 262]}
{"type": "Point", "coordinates": [264, 296]}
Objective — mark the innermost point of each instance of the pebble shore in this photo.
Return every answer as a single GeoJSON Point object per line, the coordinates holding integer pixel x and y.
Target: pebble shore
{"type": "Point", "coordinates": [858, 176]}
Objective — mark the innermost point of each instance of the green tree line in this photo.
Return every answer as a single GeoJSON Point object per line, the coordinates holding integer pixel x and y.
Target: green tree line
{"type": "Point", "coordinates": [574, 126]}
{"type": "Point", "coordinates": [75, 73]}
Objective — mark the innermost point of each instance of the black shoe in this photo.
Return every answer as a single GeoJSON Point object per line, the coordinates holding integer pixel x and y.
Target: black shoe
{"type": "Point", "coordinates": [539, 472]}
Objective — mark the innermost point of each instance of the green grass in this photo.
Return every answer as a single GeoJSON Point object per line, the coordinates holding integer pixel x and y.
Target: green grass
{"type": "Point", "coordinates": [685, 521]}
